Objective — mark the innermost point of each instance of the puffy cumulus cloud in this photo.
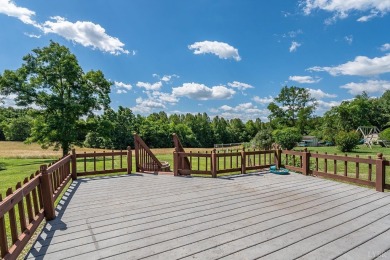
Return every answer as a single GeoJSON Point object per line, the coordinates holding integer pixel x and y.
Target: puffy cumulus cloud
{"type": "Point", "coordinates": [342, 8]}
{"type": "Point", "coordinates": [149, 86]}
{"type": "Point", "coordinates": [25, 15]}
{"type": "Point", "coordinates": [163, 97]}
{"type": "Point", "coordinates": [201, 92]}
{"type": "Point", "coordinates": [370, 86]}
{"type": "Point", "coordinates": [323, 106]}
{"type": "Point", "coordinates": [263, 101]}
{"type": "Point", "coordinates": [361, 66]}
{"type": "Point", "coordinates": [239, 85]}
{"type": "Point", "coordinates": [244, 111]}
{"type": "Point", "coordinates": [304, 79]}
{"type": "Point", "coordinates": [318, 94]}
{"type": "Point", "coordinates": [119, 84]}
{"type": "Point", "coordinates": [294, 46]}
{"type": "Point", "coordinates": [221, 49]}
{"type": "Point", "coordinates": [166, 78]}
{"type": "Point", "coordinates": [145, 106]}
{"type": "Point", "coordinates": [385, 47]}
{"type": "Point", "coordinates": [85, 33]}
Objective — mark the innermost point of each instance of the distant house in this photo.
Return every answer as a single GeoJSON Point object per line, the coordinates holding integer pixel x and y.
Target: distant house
{"type": "Point", "coordinates": [308, 140]}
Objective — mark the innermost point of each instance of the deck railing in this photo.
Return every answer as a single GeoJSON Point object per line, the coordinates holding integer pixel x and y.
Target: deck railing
{"type": "Point", "coordinates": [21, 212]}
{"type": "Point", "coordinates": [103, 162]}
{"type": "Point", "coordinates": [365, 171]}
{"type": "Point", "coordinates": [216, 163]}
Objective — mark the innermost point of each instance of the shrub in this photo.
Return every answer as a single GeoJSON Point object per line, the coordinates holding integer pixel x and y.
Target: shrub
{"type": "Point", "coordinates": [263, 139]}
{"type": "Point", "coordinates": [385, 134]}
{"type": "Point", "coordinates": [287, 137]}
{"type": "Point", "coordinates": [347, 141]}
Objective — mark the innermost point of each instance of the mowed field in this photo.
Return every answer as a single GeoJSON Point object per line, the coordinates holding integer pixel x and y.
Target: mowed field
{"type": "Point", "coordinates": [19, 160]}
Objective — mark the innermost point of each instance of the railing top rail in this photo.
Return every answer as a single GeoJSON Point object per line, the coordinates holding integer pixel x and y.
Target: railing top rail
{"type": "Point", "coordinates": [11, 200]}
{"type": "Point", "coordinates": [291, 152]}
{"type": "Point", "coordinates": [343, 158]}
{"type": "Point", "coordinates": [105, 153]}
{"type": "Point", "coordinates": [58, 164]}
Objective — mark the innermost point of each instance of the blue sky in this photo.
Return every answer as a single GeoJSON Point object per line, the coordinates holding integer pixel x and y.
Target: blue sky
{"type": "Point", "coordinates": [222, 57]}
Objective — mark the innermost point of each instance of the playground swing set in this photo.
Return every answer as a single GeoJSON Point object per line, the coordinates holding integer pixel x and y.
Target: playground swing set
{"type": "Point", "coordinates": [371, 136]}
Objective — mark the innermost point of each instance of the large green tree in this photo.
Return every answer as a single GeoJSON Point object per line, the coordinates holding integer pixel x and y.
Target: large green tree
{"type": "Point", "coordinates": [293, 107]}
{"type": "Point", "coordinates": [52, 79]}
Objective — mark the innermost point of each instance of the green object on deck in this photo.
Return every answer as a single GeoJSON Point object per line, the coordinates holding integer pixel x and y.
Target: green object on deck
{"type": "Point", "coordinates": [281, 171]}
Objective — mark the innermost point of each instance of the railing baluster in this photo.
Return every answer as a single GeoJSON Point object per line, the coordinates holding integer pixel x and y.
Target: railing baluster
{"type": "Point", "coordinates": [369, 170]}
{"type": "Point", "coordinates": [112, 160]}
{"type": "Point", "coordinates": [346, 166]}
{"type": "Point", "coordinates": [335, 166]}
{"type": "Point", "coordinates": [12, 220]}
{"type": "Point", "coordinates": [3, 235]}
{"type": "Point", "coordinates": [28, 204]}
{"type": "Point", "coordinates": [35, 198]}
{"type": "Point", "coordinates": [22, 214]}
{"type": "Point", "coordinates": [357, 168]}
{"type": "Point", "coordinates": [326, 164]}
{"type": "Point", "coordinates": [104, 160]}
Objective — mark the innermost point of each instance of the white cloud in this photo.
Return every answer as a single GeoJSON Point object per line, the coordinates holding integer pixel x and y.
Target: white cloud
{"type": "Point", "coordinates": [263, 101]}
{"type": "Point", "coordinates": [342, 8]}
{"type": "Point", "coordinates": [243, 111]}
{"type": "Point", "coordinates": [165, 78]}
{"type": "Point", "coordinates": [221, 49]}
{"type": "Point", "coordinates": [121, 91]}
{"type": "Point", "coordinates": [8, 101]}
{"type": "Point", "coordinates": [361, 66]}
{"type": "Point", "coordinates": [318, 94]}
{"type": "Point", "coordinates": [294, 46]}
{"type": "Point", "coordinates": [149, 86]}
{"type": "Point", "coordinates": [349, 39]}
{"type": "Point", "coordinates": [85, 33]}
{"type": "Point", "coordinates": [31, 35]}
{"type": "Point", "coordinates": [323, 106]}
{"type": "Point", "coordinates": [145, 106]}
{"type": "Point", "coordinates": [385, 47]}
{"type": "Point", "coordinates": [25, 15]}
{"type": "Point", "coordinates": [122, 85]}
{"type": "Point", "coordinates": [370, 86]}
{"type": "Point", "coordinates": [239, 85]}
{"type": "Point", "coordinates": [304, 79]}
{"type": "Point", "coordinates": [202, 92]}
{"type": "Point", "coordinates": [164, 97]}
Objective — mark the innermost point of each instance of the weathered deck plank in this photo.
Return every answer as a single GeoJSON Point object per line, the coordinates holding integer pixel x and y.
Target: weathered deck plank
{"type": "Point", "coordinates": [163, 217]}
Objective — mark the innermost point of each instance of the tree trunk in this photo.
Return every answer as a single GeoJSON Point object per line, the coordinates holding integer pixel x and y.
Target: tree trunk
{"type": "Point", "coordinates": [65, 148]}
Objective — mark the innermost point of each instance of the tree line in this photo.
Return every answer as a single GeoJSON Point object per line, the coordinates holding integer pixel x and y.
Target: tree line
{"type": "Point", "coordinates": [67, 98]}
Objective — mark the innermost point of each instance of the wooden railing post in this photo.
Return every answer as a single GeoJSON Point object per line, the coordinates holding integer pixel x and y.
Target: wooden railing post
{"type": "Point", "coordinates": [278, 158]}
{"type": "Point", "coordinates": [380, 173]}
{"type": "Point", "coordinates": [47, 193]}
{"type": "Point", "coordinates": [129, 160]}
{"type": "Point", "coordinates": [175, 163]}
{"type": "Point", "coordinates": [74, 166]}
{"type": "Point", "coordinates": [214, 163]}
{"type": "Point", "coordinates": [243, 161]}
{"type": "Point", "coordinates": [305, 162]}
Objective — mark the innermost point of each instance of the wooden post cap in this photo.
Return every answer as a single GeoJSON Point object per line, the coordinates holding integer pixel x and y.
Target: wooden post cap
{"type": "Point", "coordinates": [380, 156]}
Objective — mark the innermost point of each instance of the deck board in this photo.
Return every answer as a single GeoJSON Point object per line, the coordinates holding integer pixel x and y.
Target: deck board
{"type": "Point", "coordinates": [244, 217]}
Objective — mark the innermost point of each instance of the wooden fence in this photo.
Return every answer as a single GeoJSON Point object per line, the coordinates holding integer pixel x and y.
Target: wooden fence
{"type": "Point", "coordinates": [23, 210]}
{"type": "Point", "coordinates": [216, 163]}
{"type": "Point", "coordinates": [365, 171]}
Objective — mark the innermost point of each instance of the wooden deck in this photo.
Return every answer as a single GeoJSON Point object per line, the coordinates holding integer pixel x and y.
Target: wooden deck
{"type": "Point", "coordinates": [245, 217]}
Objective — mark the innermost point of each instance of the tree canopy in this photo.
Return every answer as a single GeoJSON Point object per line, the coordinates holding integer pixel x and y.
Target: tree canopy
{"type": "Point", "coordinates": [51, 79]}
